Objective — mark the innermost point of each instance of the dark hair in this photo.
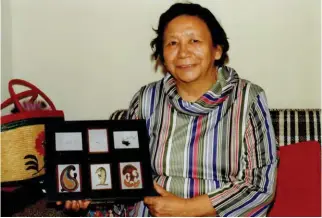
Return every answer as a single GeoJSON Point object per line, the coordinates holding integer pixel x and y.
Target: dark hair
{"type": "Point", "coordinates": [218, 34]}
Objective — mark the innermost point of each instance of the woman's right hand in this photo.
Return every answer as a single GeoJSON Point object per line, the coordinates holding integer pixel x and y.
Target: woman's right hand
{"type": "Point", "coordinates": [75, 205]}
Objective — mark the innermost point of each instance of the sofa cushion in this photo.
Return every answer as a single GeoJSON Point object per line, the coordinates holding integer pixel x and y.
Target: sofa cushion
{"type": "Point", "coordinates": [296, 125]}
{"type": "Point", "coordinates": [298, 191]}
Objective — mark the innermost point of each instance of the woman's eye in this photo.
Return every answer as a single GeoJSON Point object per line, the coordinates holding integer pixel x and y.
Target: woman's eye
{"type": "Point", "coordinates": [195, 40]}
{"type": "Point", "coordinates": [172, 43]}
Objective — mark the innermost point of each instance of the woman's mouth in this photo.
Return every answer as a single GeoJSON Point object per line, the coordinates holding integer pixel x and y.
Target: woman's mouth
{"type": "Point", "coordinates": [185, 66]}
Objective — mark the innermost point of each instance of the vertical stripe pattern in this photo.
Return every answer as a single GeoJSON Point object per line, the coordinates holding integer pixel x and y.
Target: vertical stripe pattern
{"type": "Point", "coordinates": [223, 145]}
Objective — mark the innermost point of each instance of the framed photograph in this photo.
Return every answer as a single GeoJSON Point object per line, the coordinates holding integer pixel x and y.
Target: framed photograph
{"type": "Point", "coordinates": [126, 139]}
{"type": "Point", "coordinates": [101, 176]}
{"type": "Point", "coordinates": [130, 173]}
{"type": "Point", "coordinates": [97, 140]}
{"type": "Point", "coordinates": [105, 161]}
{"type": "Point", "coordinates": [69, 178]}
{"type": "Point", "coordinates": [69, 141]}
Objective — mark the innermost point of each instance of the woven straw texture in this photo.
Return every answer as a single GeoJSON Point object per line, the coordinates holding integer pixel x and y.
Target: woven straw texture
{"type": "Point", "coordinates": [22, 154]}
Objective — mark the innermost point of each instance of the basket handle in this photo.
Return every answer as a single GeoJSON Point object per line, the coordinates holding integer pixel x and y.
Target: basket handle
{"type": "Point", "coordinates": [34, 92]}
{"type": "Point", "coordinates": [21, 95]}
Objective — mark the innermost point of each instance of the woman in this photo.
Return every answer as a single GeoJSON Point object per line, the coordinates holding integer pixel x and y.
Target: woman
{"type": "Point", "coordinates": [212, 143]}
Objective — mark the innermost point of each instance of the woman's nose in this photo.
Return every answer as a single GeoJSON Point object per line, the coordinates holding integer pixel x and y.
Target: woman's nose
{"type": "Point", "coordinates": [183, 50]}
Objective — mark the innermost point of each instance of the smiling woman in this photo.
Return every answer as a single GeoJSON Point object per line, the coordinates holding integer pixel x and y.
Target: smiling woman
{"type": "Point", "coordinates": [189, 48]}
{"type": "Point", "coordinates": [189, 55]}
{"type": "Point", "coordinates": [211, 137]}
{"type": "Point", "coordinates": [212, 144]}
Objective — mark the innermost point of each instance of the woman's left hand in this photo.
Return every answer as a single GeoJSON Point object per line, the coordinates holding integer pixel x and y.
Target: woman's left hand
{"type": "Point", "coordinates": [166, 204]}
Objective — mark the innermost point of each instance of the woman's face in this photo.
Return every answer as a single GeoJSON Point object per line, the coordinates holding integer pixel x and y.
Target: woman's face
{"type": "Point", "coordinates": [188, 50]}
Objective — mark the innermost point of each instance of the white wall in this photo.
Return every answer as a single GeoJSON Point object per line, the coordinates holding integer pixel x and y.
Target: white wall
{"type": "Point", "coordinates": [91, 56]}
{"type": "Point", "coordinates": [6, 73]}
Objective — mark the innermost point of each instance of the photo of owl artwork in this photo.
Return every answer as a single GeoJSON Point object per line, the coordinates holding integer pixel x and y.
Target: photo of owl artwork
{"type": "Point", "coordinates": [101, 176]}
{"type": "Point", "coordinates": [69, 178]}
{"type": "Point", "coordinates": [131, 176]}
{"type": "Point", "coordinates": [126, 139]}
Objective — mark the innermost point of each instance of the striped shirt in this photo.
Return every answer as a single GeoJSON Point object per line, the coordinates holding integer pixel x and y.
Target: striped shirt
{"type": "Point", "coordinates": [222, 145]}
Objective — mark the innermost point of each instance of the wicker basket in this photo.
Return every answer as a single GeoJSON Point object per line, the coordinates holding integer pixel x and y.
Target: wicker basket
{"type": "Point", "coordinates": [22, 136]}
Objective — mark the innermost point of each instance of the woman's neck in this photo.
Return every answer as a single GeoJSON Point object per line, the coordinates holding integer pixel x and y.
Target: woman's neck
{"type": "Point", "coordinates": [191, 92]}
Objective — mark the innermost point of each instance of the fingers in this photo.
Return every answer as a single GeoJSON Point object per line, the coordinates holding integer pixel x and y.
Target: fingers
{"type": "Point", "coordinates": [72, 205]}
{"type": "Point", "coordinates": [68, 205]}
{"type": "Point", "coordinates": [83, 204]}
{"type": "Point", "coordinates": [87, 203]}
{"type": "Point", "coordinates": [75, 206]}
{"type": "Point", "coordinates": [151, 201]}
{"type": "Point", "coordinates": [148, 200]}
{"type": "Point", "coordinates": [152, 212]}
{"type": "Point", "coordinates": [160, 190]}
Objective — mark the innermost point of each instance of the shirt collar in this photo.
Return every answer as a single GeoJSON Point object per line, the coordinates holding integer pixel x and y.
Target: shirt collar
{"type": "Point", "coordinates": [220, 91]}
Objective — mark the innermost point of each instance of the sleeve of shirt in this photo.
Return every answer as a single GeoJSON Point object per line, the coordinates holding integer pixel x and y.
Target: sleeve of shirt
{"type": "Point", "coordinates": [133, 112]}
{"type": "Point", "coordinates": [143, 103]}
{"type": "Point", "coordinates": [252, 191]}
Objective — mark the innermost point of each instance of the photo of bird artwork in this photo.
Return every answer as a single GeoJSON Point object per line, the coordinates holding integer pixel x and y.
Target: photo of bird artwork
{"type": "Point", "coordinates": [131, 175]}
{"type": "Point", "coordinates": [69, 178]}
{"type": "Point", "coordinates": [101, 176]}
{"type": "Point", "coordinates": [126, 139]}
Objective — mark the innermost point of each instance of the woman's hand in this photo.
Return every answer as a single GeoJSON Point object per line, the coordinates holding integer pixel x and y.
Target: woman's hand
{"type": "Point", "coordinates": [167, 204]}
{"type": "Point", "coordinates": [170, 205]}
{"type": "Point", "coordinates": [75, 205]}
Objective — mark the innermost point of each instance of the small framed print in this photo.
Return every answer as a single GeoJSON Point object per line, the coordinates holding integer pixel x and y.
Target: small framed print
{"type": "Point", "coordinates": [68, 141]}
{"type": "Point", "coordinates": [97, 140]}
{"type": "Point", "coordinates": [126, 139]}
{"type": "Point", "coordinates": [131, 175]}
{"type": "Point", "coordinates": [69, 178]}
{"type": "Point", "coordinates": [101, 176]}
